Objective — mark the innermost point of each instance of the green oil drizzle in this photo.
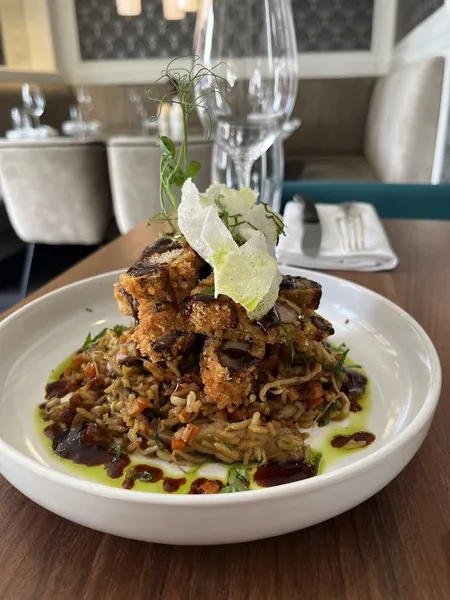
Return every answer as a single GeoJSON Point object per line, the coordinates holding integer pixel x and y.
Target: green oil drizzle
{"type": "Point", "coordinates": [56, 373]}
{"type": "Point", "coordinates": [355, 422]}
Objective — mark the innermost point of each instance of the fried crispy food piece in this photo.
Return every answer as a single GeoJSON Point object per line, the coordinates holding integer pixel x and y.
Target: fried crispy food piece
{"type": "Point", "coordinates": [166, 272]}
{"type": "Point", "coordinates": [161, 333]}
{"type": "Point", "coordinates": [221, 318]}
{"type": "Point", "coordinates": [228, 371]}
{"type": "Point", "coordinates": [302, 292]}
{"type": "Point", "coordinates": [150, 291]}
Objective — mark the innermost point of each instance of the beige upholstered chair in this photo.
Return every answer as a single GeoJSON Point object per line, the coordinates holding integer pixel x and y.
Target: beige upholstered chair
{"type": "Point", "coordinates": [134, 170]}
{"type": "Point", "coordinates": [400, 138]}
{"type": "Point", "coordinates": [402, 124]}
{"type": "Point", "coordinates": [56, 191]}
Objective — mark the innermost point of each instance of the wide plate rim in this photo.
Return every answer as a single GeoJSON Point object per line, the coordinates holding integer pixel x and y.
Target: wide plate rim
{"type": "Point", "coordinates": [314, 484]}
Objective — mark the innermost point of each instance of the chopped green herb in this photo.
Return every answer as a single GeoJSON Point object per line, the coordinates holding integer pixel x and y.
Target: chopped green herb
{"type": "Point", "coordinates": [146, 477]}
{"type": "Point", "coordinates": [209, 291]}
{"type": "Point", "coordinates": [238, 481]}
{"type": "Point", "coordinates": [91, 341]}
{"type": "Point", "coordinates": [273, 216]}
{"type": "Point", "coordinates": [324, 417]}
{"type": "Point", "coordinates": [229, 446]}
{"type": "Point", "coordinates": [119, 329]}
{"type": "Point", "coordinates": [316, 461]}
{"type": "Point", "coordinates": [118, 450]}
{"type": "Point", "coordinates": [341, 362]}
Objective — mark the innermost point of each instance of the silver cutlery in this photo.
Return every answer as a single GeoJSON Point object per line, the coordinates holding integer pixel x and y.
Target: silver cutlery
{"type": "Point", "coordinates": [312, 235]}
{"type": "Point", "coordinates": [351, 229]}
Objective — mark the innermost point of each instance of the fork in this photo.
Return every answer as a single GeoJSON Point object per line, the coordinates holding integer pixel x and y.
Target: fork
{"type": "Point", "coordinates": [351, 229]}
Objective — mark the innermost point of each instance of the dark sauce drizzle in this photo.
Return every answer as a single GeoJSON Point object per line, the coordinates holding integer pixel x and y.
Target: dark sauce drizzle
{"type": "Point", "coordinates": [196, 487]}
{"type": "Point", "coordinates": [340, 441]}
{"type": "Point", "coordinates": [273, 473]}
{"type": "Point", "coordinates": [172, 485]}
{"type": "Point", "coordinates": [82, 445]}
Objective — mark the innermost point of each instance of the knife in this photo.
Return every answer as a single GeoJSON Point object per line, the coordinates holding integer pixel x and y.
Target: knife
{"type": "Point", "coordinates": [311, 225]}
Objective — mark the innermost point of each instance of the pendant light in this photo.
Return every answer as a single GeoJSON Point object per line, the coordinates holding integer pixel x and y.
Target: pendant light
{"type": "Point", "coordinates": [172, 10]}
{"type": "Point", "coordinates": [189, 5]}
{"type": "Point", "coordinates": [129, 8]}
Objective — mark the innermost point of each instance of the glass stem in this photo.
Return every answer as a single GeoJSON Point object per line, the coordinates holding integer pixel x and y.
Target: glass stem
{"type": "Point", "coordinates": [37, 122]}
{"type": "Point", "coordinates": [243, 171]}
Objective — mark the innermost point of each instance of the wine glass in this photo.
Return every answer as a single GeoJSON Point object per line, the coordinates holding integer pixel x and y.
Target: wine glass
{"type": "Point", "coordinates": [251, 48]}
{"type": "Point", "coordinates": [34, 102]}
{"type": "Point", "coordinates": [85, 103]}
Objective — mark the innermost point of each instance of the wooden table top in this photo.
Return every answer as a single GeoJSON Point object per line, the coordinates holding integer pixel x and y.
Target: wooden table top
{"type": "Point", "coordinates": [394, 546]}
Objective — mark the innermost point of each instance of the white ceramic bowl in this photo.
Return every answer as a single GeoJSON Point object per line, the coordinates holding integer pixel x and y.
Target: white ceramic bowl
{"type": "Point", "coordinates": [399, 358]}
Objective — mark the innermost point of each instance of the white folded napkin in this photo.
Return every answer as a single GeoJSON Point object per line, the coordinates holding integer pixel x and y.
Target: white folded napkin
{"type": "Point", "coordinates": [377, 254]}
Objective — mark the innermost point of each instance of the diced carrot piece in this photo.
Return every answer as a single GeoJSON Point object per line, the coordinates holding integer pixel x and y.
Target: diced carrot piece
{"type": "Point", "coordinates": [123, 338]}
{"type": "Point", "coordinates": [290, 424]}
{"type": "Point", "coordinates": [192, 432]}
{"type": "Point", "coordinates": [315, 402]}
{"type": "Point", "coordinates": [178, 444]}
{"type": "Point", "coordinates": [67, 372]}
{"type": "Point", "coordinates": [90, 371]}
{"type": "Point", "coordinates": [210, 487]}
{"type": "Point", "coordinates": [276, 424]}
{"type": "Point", "coordinates": [76, 361]}
{"type": "Point", "coordinates": [141, 404]}
{"type": "Point", "coordinates": [293, 394]}
{"type": "Point", "coordinates": [185, 415]}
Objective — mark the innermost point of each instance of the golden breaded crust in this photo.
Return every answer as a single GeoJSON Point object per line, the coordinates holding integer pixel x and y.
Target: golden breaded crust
{"type": "Point", "coordinates": [221, 318]}
{"type": "Point", "coordinates": [161, 332]}
{"type": "Point", "coordinates": [228, 372]}
{"type": "Point", "coordinates": [166, 272]}
{"type": "Point", "coordinates": [301, 291]}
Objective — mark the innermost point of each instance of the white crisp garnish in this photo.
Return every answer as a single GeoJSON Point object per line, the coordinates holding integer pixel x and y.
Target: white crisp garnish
{"type": "Point", "coordinates": [237, 238]}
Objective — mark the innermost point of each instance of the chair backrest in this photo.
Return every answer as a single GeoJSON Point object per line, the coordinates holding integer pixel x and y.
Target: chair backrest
{"type": "Point", "coordinates": [56, 191]}
{"type": "Point", "coordinates": [402, 123]}
{"type": "Point", "coordinates": [134, 170]}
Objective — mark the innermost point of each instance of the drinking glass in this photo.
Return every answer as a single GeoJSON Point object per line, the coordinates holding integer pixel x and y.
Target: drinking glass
{"type": "Point", "coordinates": [33, 102]}
{"type": "Point", "coordinates": [267, 172]}
{"type": "Point", "coordinates": [85, 103]}
{"type": "Point", "coordinates": [251, 48]}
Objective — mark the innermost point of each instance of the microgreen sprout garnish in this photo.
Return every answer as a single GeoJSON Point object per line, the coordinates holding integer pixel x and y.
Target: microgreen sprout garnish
{"type": "Point", "coordinates": [238, 481]}
{"type": "Point", "coordinates": [176, 168]}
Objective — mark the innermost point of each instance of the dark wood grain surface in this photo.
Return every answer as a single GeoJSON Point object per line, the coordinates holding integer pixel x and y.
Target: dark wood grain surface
{"type": "Point", "coordinates": [395, 546]}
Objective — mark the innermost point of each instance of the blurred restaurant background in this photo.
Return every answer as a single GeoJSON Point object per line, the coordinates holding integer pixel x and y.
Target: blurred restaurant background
{"type": "Point", "coordinates": [79, 163]}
